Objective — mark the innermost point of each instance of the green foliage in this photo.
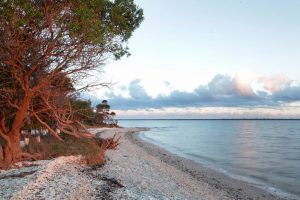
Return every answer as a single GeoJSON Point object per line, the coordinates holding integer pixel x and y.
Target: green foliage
{"type": "Point", "coordinates": [104, 117]}
{"type": "Point", "coordinates": [83, 110]}
{"type": "Point", "coordinates": [103, 106]}
{"type": "Point", "coordinates": [46, 48]}
{"type": "Point", "coordinates": [103, 23]}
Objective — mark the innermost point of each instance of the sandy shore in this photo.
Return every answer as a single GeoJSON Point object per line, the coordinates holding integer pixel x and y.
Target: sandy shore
{"type": "Point", "coordinates": [136, 170]}
{"type": "Point", "coordinates": [152, 172]}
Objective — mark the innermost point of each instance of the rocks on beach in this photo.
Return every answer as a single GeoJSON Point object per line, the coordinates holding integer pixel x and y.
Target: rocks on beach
{"type": "Point", "coordinates": [136, 170]}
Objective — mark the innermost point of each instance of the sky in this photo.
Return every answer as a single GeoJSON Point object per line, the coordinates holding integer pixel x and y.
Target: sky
{"type": "Point", "coordinates": [209, 59]}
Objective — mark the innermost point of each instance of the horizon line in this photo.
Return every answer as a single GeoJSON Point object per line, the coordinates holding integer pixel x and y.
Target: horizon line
{"type": "Point", "coordinates": [212, 119]}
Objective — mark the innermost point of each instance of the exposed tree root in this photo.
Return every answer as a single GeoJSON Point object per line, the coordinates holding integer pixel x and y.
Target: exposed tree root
{"type": "Point", "coordinates": [26, 156]}
{"type": "Point", "coordinates": [25, 164]}
{"type": "Point", "coordinates": [111, 143]}
{"type": "Point", "coordinates": [4, 165]}
{"type": "Point", "coordinates": [22, 157]}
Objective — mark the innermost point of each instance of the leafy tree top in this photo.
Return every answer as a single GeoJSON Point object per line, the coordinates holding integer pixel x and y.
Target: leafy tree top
{"type": "Point", "coordinates": [104, 23]}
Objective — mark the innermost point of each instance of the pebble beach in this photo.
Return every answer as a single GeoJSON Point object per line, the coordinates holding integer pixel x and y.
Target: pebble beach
{"type": "Point", "coordinates": [136, 170]}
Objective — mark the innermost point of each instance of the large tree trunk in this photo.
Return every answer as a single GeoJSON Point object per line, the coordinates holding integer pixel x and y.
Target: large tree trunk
{"type": "Point", "coordinates": [11, 149]}
{"type": "Point", "coordinates": [1, 153]}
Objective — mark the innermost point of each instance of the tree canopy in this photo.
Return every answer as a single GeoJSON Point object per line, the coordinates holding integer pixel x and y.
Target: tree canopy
{"type": "Point", "coordinates": [47, 47]}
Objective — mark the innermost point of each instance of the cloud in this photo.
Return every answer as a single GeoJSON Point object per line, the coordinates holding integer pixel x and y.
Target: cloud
{"type": "Point", "coordinates": [210, 113]}
{"type": "Point", "coordinates": [275, 83]}
{"type": "Point", "coordinates": [242, 84]}
{"type": "Point", "coordinates": [287, 95]}
{"type": "Point", "coordinates": [167, 83]}
{"type": "Point", "coordinates": [136, 91]}
{"type": "Point", "coordinates": [221, 91]}
{"type": "Point", "coordinates": [221, 85]}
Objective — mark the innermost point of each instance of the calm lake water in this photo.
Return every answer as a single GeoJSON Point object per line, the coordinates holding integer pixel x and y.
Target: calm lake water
{"type": "Point", "coordinates": [266, 152]}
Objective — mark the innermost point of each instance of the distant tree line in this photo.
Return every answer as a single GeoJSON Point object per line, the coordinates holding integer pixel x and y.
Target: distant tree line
{"type": "Point", "coordinates": [99, 116]}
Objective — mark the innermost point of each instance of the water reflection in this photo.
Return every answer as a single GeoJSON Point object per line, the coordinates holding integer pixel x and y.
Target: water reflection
{"type": "Point", "coordinates": [247, 144]}
{"type": "Point", "coordinates": [265, 150]}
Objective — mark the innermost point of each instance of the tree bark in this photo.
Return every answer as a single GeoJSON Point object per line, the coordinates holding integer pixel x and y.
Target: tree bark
{"type": "Point", "coordinates": [1, 153]}
{"type": "Point", "coordinates": [12, 150]}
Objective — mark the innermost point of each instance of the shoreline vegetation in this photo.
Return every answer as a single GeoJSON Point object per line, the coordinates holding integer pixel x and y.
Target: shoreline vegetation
{"type": "Point", "coordinates": [38, 144]}
{"type": "Point", "coordinates": [50, 53]}
{"type": "Point", "coordinates": [135, 170]}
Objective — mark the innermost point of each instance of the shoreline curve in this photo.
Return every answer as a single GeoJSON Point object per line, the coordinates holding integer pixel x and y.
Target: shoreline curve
{"type": "Point", "coordinates": [236, 188]}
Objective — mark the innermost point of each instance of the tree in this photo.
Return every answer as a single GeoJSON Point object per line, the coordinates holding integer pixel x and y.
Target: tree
{"type": "Point", "coordinates": [103, 115]}
{"type": "Point", "coordinates": [83, 111]}
{"type": "Point", "coordinates": [102, 110]}
{"type": "Point", "coordinates": [48, 45]}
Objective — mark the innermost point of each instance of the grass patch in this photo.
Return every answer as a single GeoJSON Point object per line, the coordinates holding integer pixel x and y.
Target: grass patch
{"type": "Point", "coordinates": [92, 149]}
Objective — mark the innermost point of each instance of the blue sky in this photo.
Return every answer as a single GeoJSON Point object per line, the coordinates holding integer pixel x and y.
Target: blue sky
{"type": "Point", "coordinates": [198, 59]}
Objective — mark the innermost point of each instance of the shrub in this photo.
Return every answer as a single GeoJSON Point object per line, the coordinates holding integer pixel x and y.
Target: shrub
{"type": "Point", "coordinates": [92, 149]}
